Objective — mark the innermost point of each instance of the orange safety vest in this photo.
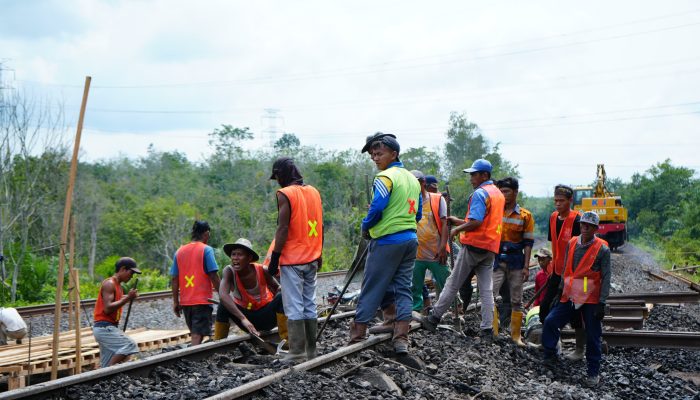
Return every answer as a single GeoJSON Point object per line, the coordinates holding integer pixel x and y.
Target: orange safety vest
{"type": "Point", "coordinates": [247, 301]}
{"type": "Point", "coordinates": [195, 285]}
{"type": "Point", "coordinates": [582, 286]}
{"type": "Point", "coordinates": [488, 235]}
{"type": "Point", "coordinates": [99, 312]}
{"type": "Point", "coordinates": [559, 242]}
{"type": "Point", "coordinates": [435, 208]}
{"type": "Point", "coordinates": [305, 237]}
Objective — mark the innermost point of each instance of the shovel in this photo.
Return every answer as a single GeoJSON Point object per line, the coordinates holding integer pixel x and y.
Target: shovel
{"type": "Point", "coordinates": [267, 346]}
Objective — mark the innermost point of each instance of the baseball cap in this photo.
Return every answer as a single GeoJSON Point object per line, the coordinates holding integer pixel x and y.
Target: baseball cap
{"type": "Point", "coordinates": [543, 252]}
{"type": "Point", "coordinates": [386, 138]}
{"type": "Point", "coordinates": [590, 217]}
{"type": "Point", "coordinates": [480, 165]}
{"type": "Point", "coordinates": [127, 262]}
{"type": "Point", "coordinates": [431, 180]}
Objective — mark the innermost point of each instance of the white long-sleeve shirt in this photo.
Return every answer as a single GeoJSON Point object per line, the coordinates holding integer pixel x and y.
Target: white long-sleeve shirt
{"type": "Point", "coordinates": [10, 318]}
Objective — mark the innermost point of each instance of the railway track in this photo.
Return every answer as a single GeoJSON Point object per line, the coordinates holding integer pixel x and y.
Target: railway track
{"type": "Point", "coordinates": [61, 388]}
{"type": "Point", "coordinates": [42, 309]}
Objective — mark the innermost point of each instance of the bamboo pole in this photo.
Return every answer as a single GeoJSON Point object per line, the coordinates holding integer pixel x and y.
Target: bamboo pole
{"type": "Point", "coordinates": [71, 259]}
{"type": "Point", "coordinates": [78, 349]}
{"type": "Point", "coordinates": [75, 295]}
{"type": "Point", "coordinates": [64, 231]}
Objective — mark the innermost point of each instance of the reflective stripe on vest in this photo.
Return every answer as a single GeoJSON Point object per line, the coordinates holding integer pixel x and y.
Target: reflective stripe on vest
{"type": "Point", "coordinates": [435, 208]}
{"type": "Point", "coordinates": [400, 214]}
{"type": "Point", "coordinates": [99, 313]}
{"type": "Point", "coordinates": [305, 236]}
{"type": "Point", "coordinates": [582, 286]}
{"type": "Point", "coordinates": [559, 241]}
{"type": "Point", "coordinates": [195, 285]}
{"type": "Point", "coordinates": [250, 302]}
{"type": "Point", "coordinates": [488, 235]}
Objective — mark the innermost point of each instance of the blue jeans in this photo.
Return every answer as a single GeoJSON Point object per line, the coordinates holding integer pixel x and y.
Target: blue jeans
{"type": "Point", "coordinates": [560, 315]}
{"type": "Point", "coordinates": [388, 278]}
{"type": "Point", "coordinates": [299, 290]}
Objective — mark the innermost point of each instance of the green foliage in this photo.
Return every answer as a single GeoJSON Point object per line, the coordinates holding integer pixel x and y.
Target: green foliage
{"type": "Point", "coordinates": [105, 269]}
{"type": "Point", "coordinates": [662, 205]}
{"type": "Point", "coordinates": [288, 142]}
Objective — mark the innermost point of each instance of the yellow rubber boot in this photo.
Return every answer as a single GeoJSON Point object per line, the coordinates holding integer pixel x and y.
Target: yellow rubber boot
{"type": "Point", "coordinates": [282, 326]}
{"type": "Point", "coordinates": [516, 324]}
{"type": "Point", "coordinates": [221, 330]}
{"type": "Point", "coordinates": [495, 321]}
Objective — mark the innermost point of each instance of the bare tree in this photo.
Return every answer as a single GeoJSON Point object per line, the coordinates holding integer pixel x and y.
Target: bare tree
{"type": "Point", "coordinates": [31, 151]}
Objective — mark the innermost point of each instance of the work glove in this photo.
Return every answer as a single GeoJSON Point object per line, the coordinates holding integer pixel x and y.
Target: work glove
{"type": "Point", "coordinates": [274, 263]}
{"type": "Point", "coordinates": [599, 312]}
{"type": "Point", "coordinates": [366, 235]}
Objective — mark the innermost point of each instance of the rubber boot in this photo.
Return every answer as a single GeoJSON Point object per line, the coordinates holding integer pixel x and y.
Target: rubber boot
{"type": "Point", "coordinates": [297, 341]}
{"type": "Point", "coordinates": [400, 338]}
{"type": "Point", "coordinates": [282, 326]}
{"type": "Point", "coordinates": [221, 330]}
{"type": "Point", "coordinates": [516, 324]}
{"type": "Point", "coordinates": [358, 332]}
{"type": "Point", "coordinates": [387, 325]}
{"type": "Point", "coordinates": [577, 354]}
{"type": "Point", "coordinates": [494, 326]}
{"type": "Point", "coordinates": [311, 330]}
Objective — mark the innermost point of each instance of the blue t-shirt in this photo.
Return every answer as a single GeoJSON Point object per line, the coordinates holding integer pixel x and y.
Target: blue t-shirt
{"type": "Point", "coordinates": [477, 207]}
{"type": "Point", "coordinates": [209, 262]}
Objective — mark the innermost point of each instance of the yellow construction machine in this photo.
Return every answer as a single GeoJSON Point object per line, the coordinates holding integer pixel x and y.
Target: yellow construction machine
{"type": "Point", "coordinates": [613, 215]}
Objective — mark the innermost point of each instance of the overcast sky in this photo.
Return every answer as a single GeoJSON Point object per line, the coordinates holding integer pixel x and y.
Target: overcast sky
{"type": "Point", "coordinates": [561, 85]}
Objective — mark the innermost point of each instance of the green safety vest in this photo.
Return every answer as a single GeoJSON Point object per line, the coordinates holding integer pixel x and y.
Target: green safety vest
{"type": "Point", "coordinates": [400, 213]}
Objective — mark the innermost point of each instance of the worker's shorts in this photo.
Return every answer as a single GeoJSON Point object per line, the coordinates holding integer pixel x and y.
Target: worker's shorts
{"type": "Point", "coordinates": [18, 334]}
{"type": "Point", "coordinates": [199, 318]}
{"type": "Point", "coordinates": [113, 341]}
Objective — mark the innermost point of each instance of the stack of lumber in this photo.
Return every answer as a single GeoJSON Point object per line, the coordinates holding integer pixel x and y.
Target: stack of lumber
{"type": "Point", "coordinates": [16, 362]}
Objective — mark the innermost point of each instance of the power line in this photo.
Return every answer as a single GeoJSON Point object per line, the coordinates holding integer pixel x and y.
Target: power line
{"type": "Point", "coordinates": [392, 101]}
{"type": "Point", "coordinates": [332, 74]}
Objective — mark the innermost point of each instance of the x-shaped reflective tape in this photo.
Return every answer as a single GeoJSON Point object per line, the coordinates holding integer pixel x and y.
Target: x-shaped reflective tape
{"type": "Point", "coordinates": [190, 281]}
{"type": "Point", "coordinates": [412, 206]}
{"type": "Point", "coordinates": [312, 228]}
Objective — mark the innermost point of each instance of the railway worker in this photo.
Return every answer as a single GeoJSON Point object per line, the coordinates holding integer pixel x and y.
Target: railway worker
{"type": "Point", "coordinates": [480, 235]}
{"type": "Point", "coordinates": [390, 225]}
{"type": "Point", "coordinates": [432, 242]}
{"type": "Point", "coordinates": [248, 294]}
{"type": "Point", "coordinates": [11, 325]}
{"type": "Point", "coordinates": [194, 277]}
{"type": "Point", "coordinates": [115, 345]}
{"type": "Point", "coordinates": [544, 259]}
{"type": "Point", "coordinates": [584, 288]}
{"type": "Point", "coordinates": [431, 184]}
{"type": "Point", "coordinates": [297, 253]}
{"type": "Point", "coordinates": [563, 225]}
{"type": "Point", "coordinates": [513, 262]}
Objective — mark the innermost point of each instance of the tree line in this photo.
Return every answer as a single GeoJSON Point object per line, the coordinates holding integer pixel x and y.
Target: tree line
{"type": "Point", "coordinates": [144, 207]}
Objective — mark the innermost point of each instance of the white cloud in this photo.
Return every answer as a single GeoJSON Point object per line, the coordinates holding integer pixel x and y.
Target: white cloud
{"type": "Point", "coordinates": [339, 71]}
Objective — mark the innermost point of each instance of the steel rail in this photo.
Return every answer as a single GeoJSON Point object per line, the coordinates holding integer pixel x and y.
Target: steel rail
{"type": "Point", "coordinates": [320, 361]}
{"type": "Point", "coordinates": [658, 297]}
{"type": "Point", "coordinates": [143, 367]}
{"type": "Point", "coordinates": [41, 309]}
{"type": "Point", "coordinates": [647, 339]}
